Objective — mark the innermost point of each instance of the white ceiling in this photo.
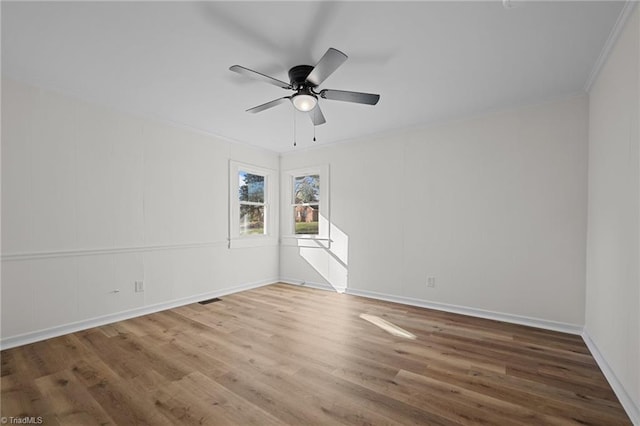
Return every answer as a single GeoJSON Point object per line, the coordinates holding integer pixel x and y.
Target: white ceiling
{"type": "Point", "coordinates": [429, 61]}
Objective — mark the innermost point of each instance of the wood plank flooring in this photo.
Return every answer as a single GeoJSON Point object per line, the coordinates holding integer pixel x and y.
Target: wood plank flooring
{"type": "Point", "coordinates": [283, 354]}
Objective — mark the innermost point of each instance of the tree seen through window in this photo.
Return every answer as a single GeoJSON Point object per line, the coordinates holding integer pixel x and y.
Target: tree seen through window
{"type": "Point", "coordinates": [306, 204]}
{"type": "Point", "coordinates": [251, 194]}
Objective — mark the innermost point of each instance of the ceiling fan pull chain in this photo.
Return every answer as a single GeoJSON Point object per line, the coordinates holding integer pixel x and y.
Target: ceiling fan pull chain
{"type": "Point", "coordinates": [294, 127]}
{"type": "Point", "coordinates": [314, 132]}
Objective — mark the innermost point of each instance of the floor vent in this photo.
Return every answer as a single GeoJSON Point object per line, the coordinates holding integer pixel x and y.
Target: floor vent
{"type": "Point", "coordinates": [206, 302]}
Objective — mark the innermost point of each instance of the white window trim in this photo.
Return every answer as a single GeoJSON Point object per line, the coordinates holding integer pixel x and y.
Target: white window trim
{"type": "Point", "coordinates": [270, 238]}
{"type": "Point", "coordinates": [289, 238]}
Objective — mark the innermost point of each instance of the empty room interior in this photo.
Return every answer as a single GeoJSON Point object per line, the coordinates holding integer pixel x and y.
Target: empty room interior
{"type": "Point", "coordinates": [313, 212]}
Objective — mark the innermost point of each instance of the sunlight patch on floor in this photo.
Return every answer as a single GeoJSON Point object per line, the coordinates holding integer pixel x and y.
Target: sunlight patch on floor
{"type": "Point", "coordinates": [388, 327]}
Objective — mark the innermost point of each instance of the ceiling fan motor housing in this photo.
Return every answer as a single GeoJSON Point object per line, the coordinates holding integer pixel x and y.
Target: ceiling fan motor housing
{"type": "Point", "coordinates": [298, 76]}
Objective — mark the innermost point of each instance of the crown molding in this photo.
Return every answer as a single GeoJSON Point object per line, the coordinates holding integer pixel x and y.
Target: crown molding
{"type": "Point", "coordinates": [628, 7]}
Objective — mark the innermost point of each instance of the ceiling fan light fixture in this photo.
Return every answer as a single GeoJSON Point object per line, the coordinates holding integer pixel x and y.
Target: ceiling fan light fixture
{"type": "Point", "coordinates": [304, 102]}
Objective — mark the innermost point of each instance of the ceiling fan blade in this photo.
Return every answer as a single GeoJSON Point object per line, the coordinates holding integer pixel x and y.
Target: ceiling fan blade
{"type": "Point", "coordinates": [259, 76]}
{"type": "Point", "coordinates": [268, 105]}
{"type": "Point", "coordinates": [317, 118]}
{"type": "Point", "coordinates": [330, 62]}
{"type": "Point", "coordinates": [346, 96]}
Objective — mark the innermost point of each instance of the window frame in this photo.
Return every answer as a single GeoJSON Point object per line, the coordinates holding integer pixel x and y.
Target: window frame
{"type": "Point", "coordinates": [295, 205]}
{"type": "Point", "coordinates": [289, 237]}
{"type": "Point", "coordinates": [270, 235]}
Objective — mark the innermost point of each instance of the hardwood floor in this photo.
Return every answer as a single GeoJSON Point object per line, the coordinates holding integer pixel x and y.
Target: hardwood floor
{"type": "Point", "coordinates": [289, 355]}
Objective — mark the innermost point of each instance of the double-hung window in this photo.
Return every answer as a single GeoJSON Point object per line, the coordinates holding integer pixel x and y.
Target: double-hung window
{"type": "Point", "coordinates": [253, 201]}
{"type": "Point", "coordinates": [251, 196]}
{"type": "Point", "coordinates": [306, 204]}
{"type": "Point", "coordinates": [306, 217]}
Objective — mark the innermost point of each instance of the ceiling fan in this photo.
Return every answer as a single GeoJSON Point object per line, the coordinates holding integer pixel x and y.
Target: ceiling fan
{"type": "Point", "coordinates": [304, 80]}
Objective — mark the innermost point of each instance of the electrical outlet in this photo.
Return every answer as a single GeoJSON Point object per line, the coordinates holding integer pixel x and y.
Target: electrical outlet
{"type": "Point", "coordinates": [139, 285]}
{"type": "Point", "coordinates": [431, 282]}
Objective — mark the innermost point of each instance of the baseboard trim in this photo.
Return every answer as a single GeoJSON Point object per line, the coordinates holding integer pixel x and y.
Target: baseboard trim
{"type": "Point", "coordinates": [479, 313]}
{"type": "Point", "coordinates": [630, 406]}
{"type": "Point", "coordinates": [445, 307]}
{"type": "Point", "coordinates": [319, 286]}
{"type": "Point", "coordinates": [24, 339]}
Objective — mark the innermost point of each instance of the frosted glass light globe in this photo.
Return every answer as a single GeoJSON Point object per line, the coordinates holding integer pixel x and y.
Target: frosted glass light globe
{"type": "Point", "coordinates": [304, 102]}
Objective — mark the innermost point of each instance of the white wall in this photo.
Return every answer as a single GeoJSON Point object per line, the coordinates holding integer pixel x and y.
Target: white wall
{"type": "Point", "coordinates": [93, 200]}
{"type": "Point", "coordinates": [493, 207]}
{"type": "Point", "coordinates": [613, 257]}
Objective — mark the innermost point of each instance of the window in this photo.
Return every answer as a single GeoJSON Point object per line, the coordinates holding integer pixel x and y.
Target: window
{"type": "Point", "coordinates": [252, 201]}
{"type": "Point", "coordinates": [306, 204]}
{"type": "Point", "coordinates": [252, 205]}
